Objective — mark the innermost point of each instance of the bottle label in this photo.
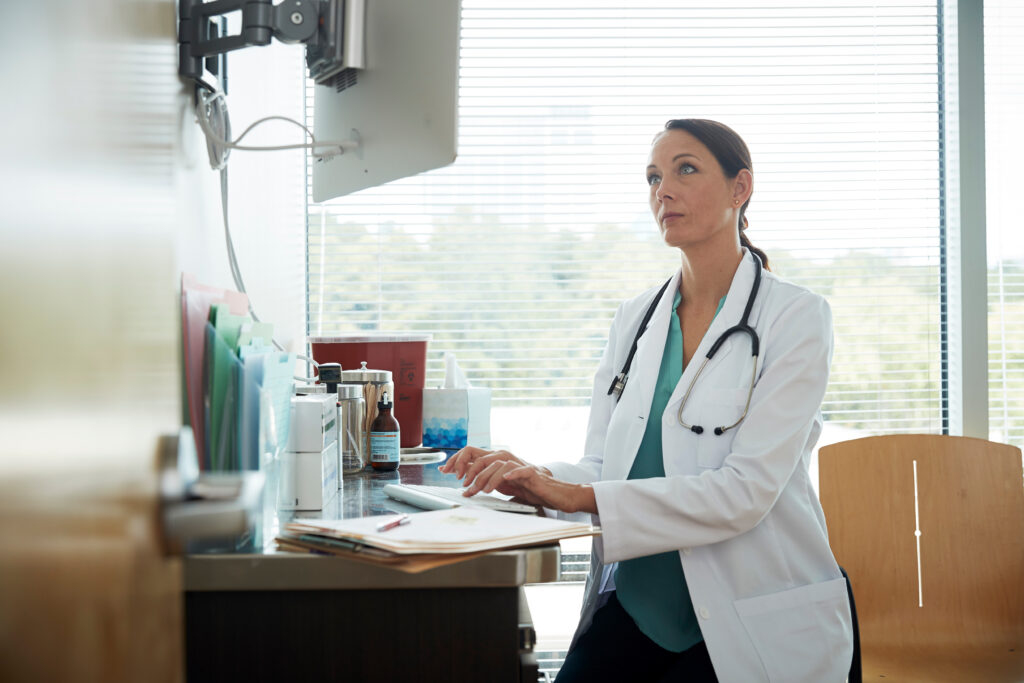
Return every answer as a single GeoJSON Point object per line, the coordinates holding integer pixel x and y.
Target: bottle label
{"type": "Point", "coordinates": [384, 447]}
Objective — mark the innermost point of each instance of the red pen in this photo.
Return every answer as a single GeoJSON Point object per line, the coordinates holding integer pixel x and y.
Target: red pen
{"type": "Point", "coordinates": [396, 522]}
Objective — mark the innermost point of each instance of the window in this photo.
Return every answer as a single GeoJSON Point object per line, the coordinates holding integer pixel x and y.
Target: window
{"type": "Point", "coordinates": [1004, 99]}
{"type": "Point", "coordinates": [516, 256]}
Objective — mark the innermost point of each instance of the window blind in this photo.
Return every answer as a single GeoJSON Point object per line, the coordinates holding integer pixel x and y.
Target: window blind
{"type": "Point", "coordinates": [1004, 99]}
{"type": "Point", "coordinates": [517, 255]}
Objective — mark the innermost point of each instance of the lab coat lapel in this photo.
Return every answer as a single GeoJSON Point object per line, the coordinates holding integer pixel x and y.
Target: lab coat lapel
{"type": "Point", "coordinates": [643, 377]}
{"type": "Point", "coordinates": [732, 311]}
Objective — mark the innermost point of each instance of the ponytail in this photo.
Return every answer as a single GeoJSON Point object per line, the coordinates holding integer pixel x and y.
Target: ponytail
{"type": "Point", "coordinates": [745, 241]}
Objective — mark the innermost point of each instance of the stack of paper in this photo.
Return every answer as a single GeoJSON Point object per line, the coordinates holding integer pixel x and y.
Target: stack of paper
{"type": "Point", "coordinates": [238, 385]}
{"type": "Point", "coordinates": [441, 536]}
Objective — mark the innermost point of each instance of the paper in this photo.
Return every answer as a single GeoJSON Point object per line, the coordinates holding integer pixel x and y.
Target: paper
{"type": "Point", "coordinates": [251, 332]}
{"type": "Point", "coordinates": [264, 409]}
{"type": "Point", "coordinates": [454, 377]}
{"type": "Point", "coordinates": [248, 415]}
{"type": "Point", "coordinates": [461, 530]}
{"type": "Point", "coordinates": [276, 408]}
{"type": "Point", "coordinates": [223, 370]}
{"type": "Point", "coordinates": [196, 300]}
{"type": "Point", "coordinates": [410, 564]}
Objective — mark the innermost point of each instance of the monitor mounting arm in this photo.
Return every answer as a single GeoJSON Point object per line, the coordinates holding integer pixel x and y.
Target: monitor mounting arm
{"type": "Point", "coordinates": [331, 30]}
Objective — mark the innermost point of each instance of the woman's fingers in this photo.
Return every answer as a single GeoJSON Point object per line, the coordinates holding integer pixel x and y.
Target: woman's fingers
{"type": "Point", "coordinates": [484, 470]}
{"type": "Point", "coordinates": [518, 493]}
{"type": "Point", "coordinates": [490, 476]}
{"type": "Point", "coordinates": [481, 469]}
{"type": "Point", "coordinates": [449, 464]}
{"type": "Point", "coordinates": [524, 477]}
{"type": "Point", "coordinates": [531, 482]}
{"type": "Point", "coordinates": [485, 461]}
{"type": "Point", "coordinates": [462, 460]}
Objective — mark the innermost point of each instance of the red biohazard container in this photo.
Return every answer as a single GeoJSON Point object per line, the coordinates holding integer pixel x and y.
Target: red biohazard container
{"type": "Point", "coordinates": [405, 355]}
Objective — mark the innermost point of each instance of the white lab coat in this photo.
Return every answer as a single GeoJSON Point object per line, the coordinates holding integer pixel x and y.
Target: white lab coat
{"type": "Point", "coordinates": [768, 594]}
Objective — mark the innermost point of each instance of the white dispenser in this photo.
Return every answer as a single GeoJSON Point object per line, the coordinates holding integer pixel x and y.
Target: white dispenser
{"type": "Point", "coordinates": [309, 468]}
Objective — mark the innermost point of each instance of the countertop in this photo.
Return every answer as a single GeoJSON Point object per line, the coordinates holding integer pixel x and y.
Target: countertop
{"type": "Point", "coordinates": [260, 566]}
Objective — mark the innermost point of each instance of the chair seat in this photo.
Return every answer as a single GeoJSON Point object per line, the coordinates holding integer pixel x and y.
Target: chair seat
{"type": "Point", "coordinates": [961, 665]}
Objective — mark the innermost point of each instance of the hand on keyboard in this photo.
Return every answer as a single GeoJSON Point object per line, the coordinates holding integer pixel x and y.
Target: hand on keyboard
{"type": "Point", "coordinates": [484, 470]}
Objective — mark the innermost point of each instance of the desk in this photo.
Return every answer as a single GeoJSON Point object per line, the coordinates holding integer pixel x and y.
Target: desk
{"type": "Point", "coordinates": [265, 615]}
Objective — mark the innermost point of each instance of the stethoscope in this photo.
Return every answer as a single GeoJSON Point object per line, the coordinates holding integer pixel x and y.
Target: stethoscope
{"type": "Point", "coordinates": [619, 382]}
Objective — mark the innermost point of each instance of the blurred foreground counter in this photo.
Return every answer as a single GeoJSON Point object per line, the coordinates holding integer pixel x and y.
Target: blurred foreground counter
{"type": "Point", "coordinates": [269, 615]}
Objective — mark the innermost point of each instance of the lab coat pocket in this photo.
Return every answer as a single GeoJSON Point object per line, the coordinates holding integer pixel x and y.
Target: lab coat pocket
{"type": "Point", "coordinates": [801, 634]}
{"type": "Point", "coordinates": [722, 411]}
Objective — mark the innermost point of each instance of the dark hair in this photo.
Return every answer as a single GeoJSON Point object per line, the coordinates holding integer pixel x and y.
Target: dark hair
{"type": "Point", "coordinates": [732, 155]}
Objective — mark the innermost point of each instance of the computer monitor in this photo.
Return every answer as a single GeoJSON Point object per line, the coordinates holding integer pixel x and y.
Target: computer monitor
{"type": "Point", "coordinates": [401, 107]}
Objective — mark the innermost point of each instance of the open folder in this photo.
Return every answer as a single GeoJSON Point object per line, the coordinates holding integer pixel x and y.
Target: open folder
{"type": "Point", "coordinates": [440, 536]}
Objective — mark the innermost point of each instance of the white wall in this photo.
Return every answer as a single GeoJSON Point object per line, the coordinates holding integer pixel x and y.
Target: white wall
{"type": "Point", "coordinates": [105, 197]}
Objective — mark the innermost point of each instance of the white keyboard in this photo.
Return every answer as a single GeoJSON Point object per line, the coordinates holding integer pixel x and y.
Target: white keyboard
{"type": "Point", "coordinates": [444, 497]}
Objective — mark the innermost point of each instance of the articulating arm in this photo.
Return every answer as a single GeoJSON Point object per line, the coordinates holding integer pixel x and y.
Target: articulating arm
{"type": "Point", "coordinates": [292, 21]}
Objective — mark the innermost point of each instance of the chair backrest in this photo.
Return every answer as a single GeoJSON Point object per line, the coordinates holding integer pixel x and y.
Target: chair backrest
{"type": "Point", "coordinates": [965, 582]}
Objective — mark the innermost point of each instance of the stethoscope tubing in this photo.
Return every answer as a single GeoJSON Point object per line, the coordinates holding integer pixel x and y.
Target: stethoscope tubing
{"type": "Point", "coordinates": [619, 382]}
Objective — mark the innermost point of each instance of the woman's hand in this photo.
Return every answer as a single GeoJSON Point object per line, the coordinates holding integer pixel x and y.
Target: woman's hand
{"type": "Point", "coordinates": [540, 488]}
{"type": "Point", "coordinates": [484, 470]}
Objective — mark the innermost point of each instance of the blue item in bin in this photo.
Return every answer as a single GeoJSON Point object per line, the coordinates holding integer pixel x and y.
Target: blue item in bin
{"type": "Point", "coordinates": [438, 433]}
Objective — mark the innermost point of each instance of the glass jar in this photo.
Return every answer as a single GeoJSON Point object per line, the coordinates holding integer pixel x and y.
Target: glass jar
{"type": "Point", "coordinates": [351, 419]}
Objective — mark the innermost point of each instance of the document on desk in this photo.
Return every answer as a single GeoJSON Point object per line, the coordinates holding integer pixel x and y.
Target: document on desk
{"type": "Point", "coordinates": [459, 530]}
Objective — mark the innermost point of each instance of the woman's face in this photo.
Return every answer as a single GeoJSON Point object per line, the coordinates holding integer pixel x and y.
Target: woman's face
{"type": "Point", "coordinates": [691, 199]}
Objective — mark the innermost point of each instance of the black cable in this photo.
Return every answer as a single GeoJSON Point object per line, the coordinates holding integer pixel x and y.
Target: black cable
{"type": "Point", "coordinates": [202, 84]}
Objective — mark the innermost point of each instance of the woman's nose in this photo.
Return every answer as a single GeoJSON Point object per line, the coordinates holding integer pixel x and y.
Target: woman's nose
{"type": "Point", "coordinates": [664, 190]}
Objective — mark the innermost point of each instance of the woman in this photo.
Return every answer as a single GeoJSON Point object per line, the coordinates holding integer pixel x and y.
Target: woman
{"type": "Point", "coordinates": [713, 563]}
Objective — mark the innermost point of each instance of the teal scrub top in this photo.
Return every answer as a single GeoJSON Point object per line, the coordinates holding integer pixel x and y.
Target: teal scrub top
{"type": "Point", "coordinates": [652, 589]}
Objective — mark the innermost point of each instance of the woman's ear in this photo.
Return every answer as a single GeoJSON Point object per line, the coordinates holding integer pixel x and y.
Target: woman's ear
{"type": "Point", "coordinates": [743, 186]}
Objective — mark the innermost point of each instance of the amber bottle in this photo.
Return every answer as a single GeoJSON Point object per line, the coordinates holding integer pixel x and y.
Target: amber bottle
{"type": "Point", "coordinates": [385, 436]}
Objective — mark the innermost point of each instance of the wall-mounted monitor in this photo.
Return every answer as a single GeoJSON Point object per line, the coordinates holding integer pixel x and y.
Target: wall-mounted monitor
{"type": "Point", "coordinates": [401, 107]}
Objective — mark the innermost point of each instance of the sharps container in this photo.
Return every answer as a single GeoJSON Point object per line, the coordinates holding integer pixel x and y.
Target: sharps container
{"type": "Point", "coordinates": [351, 416]}
{"type": "Point", "coordinates": [405, 355]}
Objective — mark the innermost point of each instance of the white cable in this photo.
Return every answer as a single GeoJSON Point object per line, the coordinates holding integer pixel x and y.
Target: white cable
{"type": "Point", "coordinates": [216, 106]}
{"type": "Point", "coordinates": [308, 360]}
{"type": "Point", "coordinates": [212, 116]}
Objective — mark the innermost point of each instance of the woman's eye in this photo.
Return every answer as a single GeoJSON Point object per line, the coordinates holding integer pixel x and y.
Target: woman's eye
{"type": "Point", "coordinates": [653, 179]}
{"type": "Point", "coordinates": [687, 169]}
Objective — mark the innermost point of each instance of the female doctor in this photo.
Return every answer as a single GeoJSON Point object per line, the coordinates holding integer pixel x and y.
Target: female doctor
{"type": "Point", "coordinates": [713, 563]}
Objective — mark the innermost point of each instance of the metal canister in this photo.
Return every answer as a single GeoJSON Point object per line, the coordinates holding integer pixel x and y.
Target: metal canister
{"type": "Point", "coordinates": [373, 383]}
{"type": "Point", "coordinates": [351, 416]}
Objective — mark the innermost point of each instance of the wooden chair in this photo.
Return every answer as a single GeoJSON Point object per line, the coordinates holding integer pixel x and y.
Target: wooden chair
{"type": "Point", "coordinates": [952, 607]}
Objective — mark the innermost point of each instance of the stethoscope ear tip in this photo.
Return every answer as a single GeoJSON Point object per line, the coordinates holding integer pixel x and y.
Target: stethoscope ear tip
{"type": "Point", "coordinates": [719, 431]}
{"type": "Point", "coordinates": [697, 429]}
